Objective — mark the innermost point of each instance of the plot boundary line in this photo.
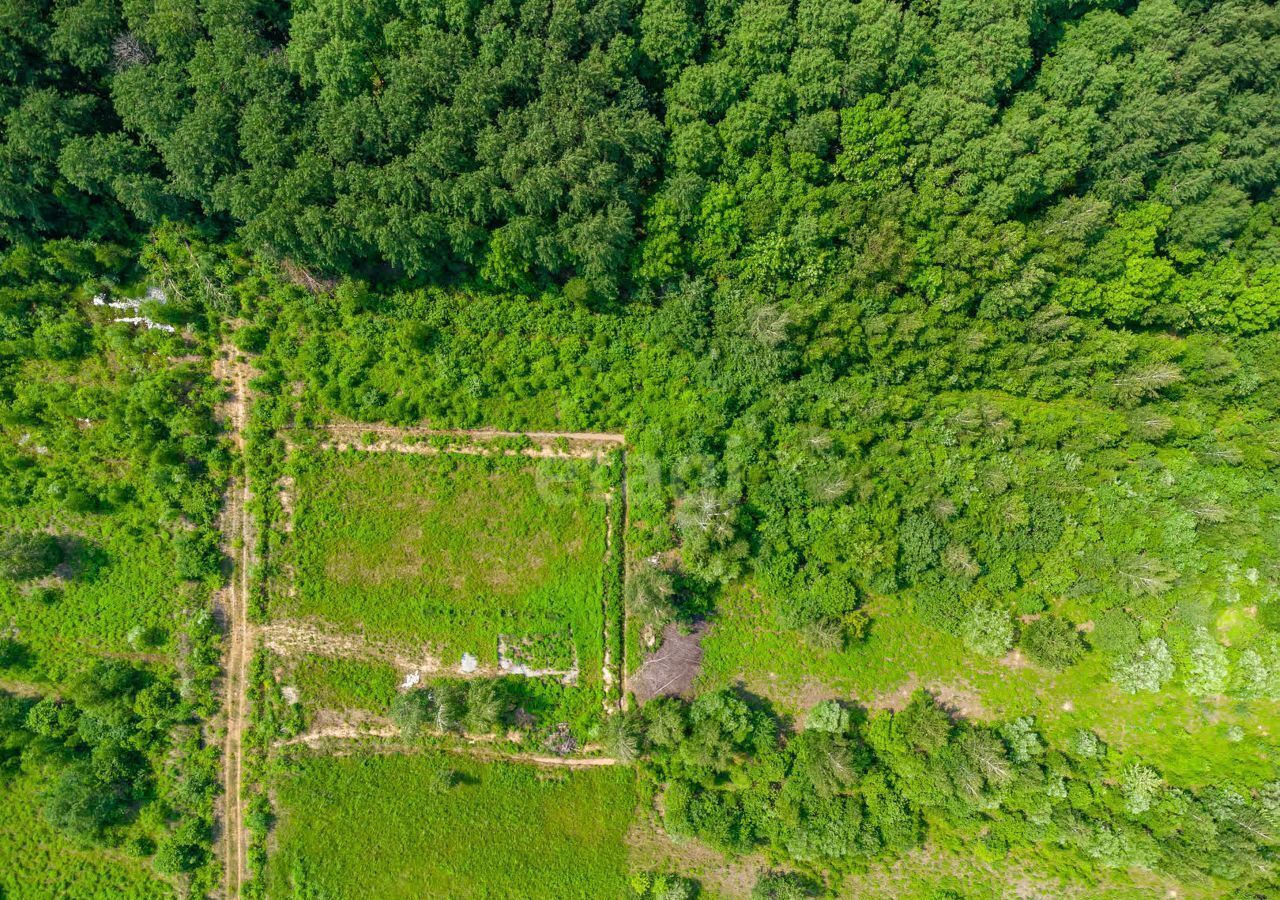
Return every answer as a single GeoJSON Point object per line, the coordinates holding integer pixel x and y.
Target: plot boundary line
{"type": "Point", "coordinates": [231, 369]}
{"type": "Point", "coordinates": [383, 438]}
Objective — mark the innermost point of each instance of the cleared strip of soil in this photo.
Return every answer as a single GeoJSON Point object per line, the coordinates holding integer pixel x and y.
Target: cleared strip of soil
{"type": "Point", "coordinates": [296, 637]}
{"type": "Point", "coordinates": [479, 441]}
{"type": "Point", "coordinates": [232, 602]}
{"type": "Point", "coordinates": [356, 733]}
{"type": "Point", "coordinates": [23, 688]}
{"type": "Point", "coordinates": [586, 437]}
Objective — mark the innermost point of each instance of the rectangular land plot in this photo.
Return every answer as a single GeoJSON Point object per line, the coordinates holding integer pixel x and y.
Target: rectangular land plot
{"type": "Point", "coordinates": [454, 552]}
{"type": "Point", "coordinates": [401, 826]}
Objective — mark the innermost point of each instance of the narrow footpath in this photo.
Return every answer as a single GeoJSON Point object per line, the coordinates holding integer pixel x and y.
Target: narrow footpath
{"type": "Point", "coordinates": [233, 603]}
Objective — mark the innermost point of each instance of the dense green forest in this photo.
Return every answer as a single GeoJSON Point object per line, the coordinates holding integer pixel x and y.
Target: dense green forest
{"type": "Point", "coordinates": [946, 327]}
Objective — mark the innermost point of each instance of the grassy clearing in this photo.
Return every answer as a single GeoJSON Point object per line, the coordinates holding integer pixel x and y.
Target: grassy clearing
{"type": "Point", "coordinates": [381, 827]}
{"type": "Point", "coordinates": [38, 862]}
{"type": "Point", "coordinates": [119, 578]}
{"type": "Point", "coordinates": [929, 872]}
{"type": "Point", "coordinates": [452, 551]}
{"type": "Point", "coordinates": [326, 683]}
{"type": "Point", "coordinates": [1185, 736]}
{"type": "Point", "coordinates": [923, 873]}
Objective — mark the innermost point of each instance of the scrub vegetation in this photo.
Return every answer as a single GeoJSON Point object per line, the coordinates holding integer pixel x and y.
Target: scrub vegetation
{"type": "Point", "coordinates": [943, 337]}
{"type": "Point", "coordinates": [110, 468]}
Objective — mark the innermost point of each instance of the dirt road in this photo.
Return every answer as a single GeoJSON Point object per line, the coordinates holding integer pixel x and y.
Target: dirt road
{"type": "Point", "coordinates": [545, 444]}
{"type": "Point", "coordinates": [356, 429]}
{"type": "Point", "coordinates": [233, 601]}
{"type": "Point", "coordinates": [360, 733]}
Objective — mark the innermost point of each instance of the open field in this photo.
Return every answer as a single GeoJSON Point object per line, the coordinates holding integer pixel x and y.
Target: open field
{"type": "Point", "coordinates": [412, 554]}
{"type": "Point", "coordinates": [386, 826]}
{"type": "Point", "coordinates": [453, 553]}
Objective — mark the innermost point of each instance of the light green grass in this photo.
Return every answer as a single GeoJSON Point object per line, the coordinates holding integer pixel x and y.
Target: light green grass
{"type": "Point", "coordinates": [968, 872]}
{"type": "Point", "coordinates": [326, 683]}
{"type": "Point", "coordinates": [1184, 736]}
{"type": "Point", "coordinates": [127, 583]}
{"type": "Point", "coordinates": [452, 551]}
{"type": "Point", "coordinates": [38, 863]}
{"type": "Point", "coordinates": [372, 827]}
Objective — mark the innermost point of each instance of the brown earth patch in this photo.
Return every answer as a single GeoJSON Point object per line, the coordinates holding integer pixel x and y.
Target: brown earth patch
{"type": "Point", "coordinates": [650, 847]}
{"type": "Point", "coordinates": [672, 668]}
{"type": "Point", "coordinates": [343, 725]}
{"type": "Point", "coordinates": [959, 697]}
{"type": "Point", "coordinates": [293, 637]}
{"type": "Point", "coordinates": [24, 688]}
{"type": "Point", "coordinates": [1015, 659]}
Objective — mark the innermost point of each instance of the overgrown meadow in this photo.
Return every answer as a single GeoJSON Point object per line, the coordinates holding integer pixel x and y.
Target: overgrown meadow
{"type": "Point", "coordinates": [111, 467]}
{"type": "Point", "coordinates": [452, 552]}
{"type": "Point", "coordinates": [444, 825]}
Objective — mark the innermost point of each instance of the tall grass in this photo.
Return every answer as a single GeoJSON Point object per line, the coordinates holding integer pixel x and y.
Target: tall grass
{"type": "Point", "coordinates": [391, 826]}
{"type": "Point", "coordinates": [452, 551]}
{"type": "Point", "coordinates": [38, 862]}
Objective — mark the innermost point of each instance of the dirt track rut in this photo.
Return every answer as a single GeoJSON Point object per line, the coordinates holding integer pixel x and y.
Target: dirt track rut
{"type": "Point", "coordinates": [234, 604]}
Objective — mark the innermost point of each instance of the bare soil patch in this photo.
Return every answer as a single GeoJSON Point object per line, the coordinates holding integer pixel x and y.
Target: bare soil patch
{"type": "Point", "coordinates": [343, 725]}
{"type": "Point", "coordinates": [23, 688]}
{"type": "Point", "coordinates": [296, 637]}
{"type": "Point", "coordinates": [957, 697]}
{"type": "Point", "coordinates": [672, 668]}
{"type": "Point", "coordinates": [293, 637]}
{"type": "Point", "coordinates": [390, 439]}
{"type": "Point", "coordinates": [1015, 659]}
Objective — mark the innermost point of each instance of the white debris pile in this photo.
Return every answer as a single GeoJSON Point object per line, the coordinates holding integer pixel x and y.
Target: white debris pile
{"type": "Point", "coordinates": [101, 300]}
{"type": "Point", "coordinates": [143, 320]}
{"type": "Point", "coordinates": [153, 295]}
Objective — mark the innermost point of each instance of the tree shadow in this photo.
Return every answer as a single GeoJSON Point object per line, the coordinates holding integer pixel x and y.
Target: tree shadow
{"type": "Point", "coordinates": [82, 560]}
{"type": "Point", "coordinates": [15, 655]}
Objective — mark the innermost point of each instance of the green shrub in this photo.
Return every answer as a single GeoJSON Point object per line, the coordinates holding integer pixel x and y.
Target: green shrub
{"type": "Point", "coordinates": [1052, 642]}
{"type": "Point", "coordinates": [28, 554]}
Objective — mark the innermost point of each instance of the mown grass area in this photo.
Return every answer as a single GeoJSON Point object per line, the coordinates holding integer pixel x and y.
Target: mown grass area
{"type": "Point", "coordinates": [1184, 736]}
{"type": "Point", "coordinates": [391, 826]}
{"type": "Point", "coordinates": [37, 861]}
{"type": "Point", "coordinates": [453, 551]}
